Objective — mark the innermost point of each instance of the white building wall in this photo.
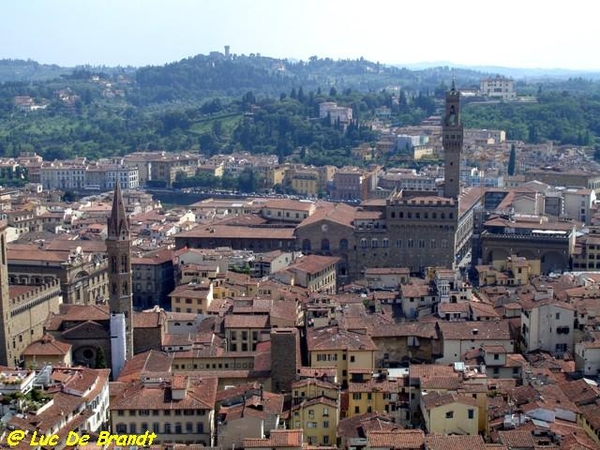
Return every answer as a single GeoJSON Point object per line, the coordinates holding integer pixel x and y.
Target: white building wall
{"type": "Point", "coordinates": [117, 343]}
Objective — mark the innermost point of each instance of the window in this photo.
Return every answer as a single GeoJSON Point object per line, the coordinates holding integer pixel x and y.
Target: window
{"type": "Point", "coordinates": [325, 411]}
{"type": "Point", "coordinates": [450, 415]}
{"type": "Point", "coordinates": [121, 428]}
{"type": "Point", "coordinates": [561, 347]}
{"type": "Point", "coordinates": [471, 413]}
{"type": "Point", "coordinates": [356, 396]}
{"type": "Point", "coordinates": [557, 316]}
{"type": "Point", "coordinates": [132, 428]}
{"type": "Point", "coordinates": [496, 356]}
{"type": "Point", "coordinates": [352, 358]}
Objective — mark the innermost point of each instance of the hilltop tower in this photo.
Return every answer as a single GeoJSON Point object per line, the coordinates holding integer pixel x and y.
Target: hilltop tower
{"type": "Point", "coordinates": [452, 141]}
{"type": "Point", "coordinates": [118, 248]}
{"type": "Point", "coordinates": [8, 357]}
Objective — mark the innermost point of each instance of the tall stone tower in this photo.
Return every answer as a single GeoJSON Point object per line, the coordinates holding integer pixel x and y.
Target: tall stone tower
{"type": "Point", "coordinates": [452, 140]}
{"type": "Point", "coordinates": [7, 353]}
{"type": "Point", "coordinates": [118, 248]}
{"type": "Point", "coordinates": [285, 351]}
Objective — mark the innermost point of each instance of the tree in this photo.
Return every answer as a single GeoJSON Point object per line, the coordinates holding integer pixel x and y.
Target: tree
{"type": "Point", "coordinates": [101, 359]}
{"type": "Point", "coordinates": [512, 160]}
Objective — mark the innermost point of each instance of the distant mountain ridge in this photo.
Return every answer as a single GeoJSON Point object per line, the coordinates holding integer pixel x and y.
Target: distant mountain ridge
{"type": "Point", "coordinates": [513, 72]}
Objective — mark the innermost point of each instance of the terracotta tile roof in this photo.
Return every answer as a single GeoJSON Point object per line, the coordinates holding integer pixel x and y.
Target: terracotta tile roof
{"type": "Point", "coordinates": [517, 439]}
{"type": "Point", "coordinates": [480, 330]}
{"type": "Point", "coordinates": [284, 203]}
{"type": "Point", "coordinates": [396, 439]}
{"type": "Point", "coordinates": [200, 394]}
{"type": "Point", "coordinates": [197, 291]}
{"type": "Point", "coordinates": [387, 385]}
{"type": "Point", "coordinates": [145, 364]}
{"type": "Point", "coordinates": [258, 321]}
{"type": "Point", "coordinates": [580, 392]}
{"type": "Point", "coordinates": [47, 345]}
{"type": "Point", "coordinates": [357, 426]}
{"type": "Point", "coordinates": [239, 232]}
{"type": "Point", "coordinates": [469, 197]}
{"type": "Point", "coordinates": [87, 330]}
{"type": "Point", "coordinates": [576, 441]}
{"type": "Point", "coordinates": [22, 252]}
{"type": "Point", "coordinates": [335, 338]}
{"type": "Point", "coordinates": [333, 212]}
{"type": "Point", "coordinates": [314, 263]}
{"type": "Point", "coordinates": [454, 442]}
{"type": "Point", "coordinates": [434, 399]}
{"type": "Point", "coordinates": [153, 258]}
{"type": "Point", "coordinates": [460, 307]}
{"type": "Point", "coordinates": [404, 329]}
{"type": "Point", "coordinates": [286, 438]}
{"type": "Point", "coordinates": [451, 382]}
{"type": "Point", "coordinates": [482, 309]}
{"type": "Point", "coordinates": [317, 372]}
{"type": "Point", "coordinates": [421, 371]}
{"type": "Point", "coordinates": [550, 396]}
{"type": "Point", "coordinates": [148, 319]}
{"type": "Point", "coordinates": [76, 313]}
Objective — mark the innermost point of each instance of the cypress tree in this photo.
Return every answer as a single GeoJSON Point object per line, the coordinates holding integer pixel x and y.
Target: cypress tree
{"type": "Point", "coordinates": [512, 160]}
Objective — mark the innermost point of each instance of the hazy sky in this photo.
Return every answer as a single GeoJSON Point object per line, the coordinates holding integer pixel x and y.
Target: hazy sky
{"type": "Point", "coordinates": [512, 33]}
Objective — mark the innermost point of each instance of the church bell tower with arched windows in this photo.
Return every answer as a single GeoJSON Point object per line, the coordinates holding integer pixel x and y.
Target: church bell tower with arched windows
{"type": "Point", "coordinates": [118, 248]}
{"type": "Point", "coordinates": [452, 140]}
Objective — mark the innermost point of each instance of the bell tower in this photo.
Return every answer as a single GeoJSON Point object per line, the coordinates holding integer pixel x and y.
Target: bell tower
{"type": "Point", "coordinates": [118, 248]}
{"type": "Point", "coordinates": [452, 141]}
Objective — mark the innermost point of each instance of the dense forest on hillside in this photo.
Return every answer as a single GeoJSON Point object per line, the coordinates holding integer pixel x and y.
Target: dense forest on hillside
{"type": "Point", "coordinates": [215, 104]}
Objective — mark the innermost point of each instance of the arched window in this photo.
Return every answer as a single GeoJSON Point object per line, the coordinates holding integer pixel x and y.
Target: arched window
{"type": "Point", "coordinates": [374, 243]}
{"type": "Point", "coordinates": [325, 245]}
{"type": "Point", "coordinates": [343, 244]}
{"type": "Point", "coordinates": [306, 245]}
